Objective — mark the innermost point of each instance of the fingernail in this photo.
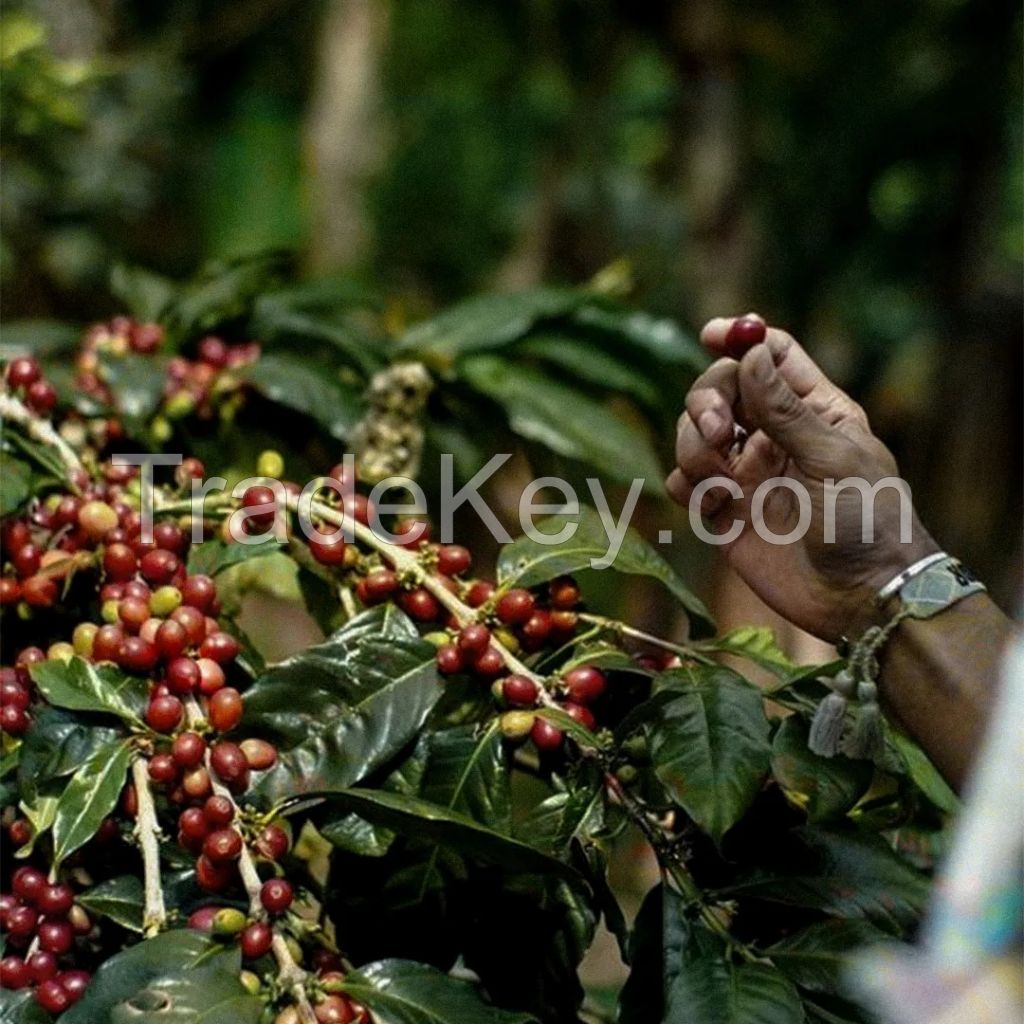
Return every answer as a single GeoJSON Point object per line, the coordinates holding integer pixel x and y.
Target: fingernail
{"type": "Point", "coordinates": [710, 425]}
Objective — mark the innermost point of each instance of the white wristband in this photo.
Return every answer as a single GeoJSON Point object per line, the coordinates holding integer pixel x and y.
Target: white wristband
{"type": "Point", "coordinates": [901, 579]}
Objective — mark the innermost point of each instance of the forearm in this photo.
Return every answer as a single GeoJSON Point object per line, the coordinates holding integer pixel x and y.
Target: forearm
{"type": "Point", "coordinates": [939, 677]}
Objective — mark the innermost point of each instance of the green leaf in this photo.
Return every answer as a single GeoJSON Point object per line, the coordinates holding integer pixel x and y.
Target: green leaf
{"type": "Point", "coordinates": [756, 643]}
{"type": "Point", "coordinates": [485, 322]}
{"type": "Point", "coordinates": [43, 339]}
{"type": "Point", "coordinates": [40, 811]}
{"type": "Point", "coordinates": [525, 562]}
{"type": "Point", "coordinates": [145, 295]}
{"type": "Point", "coordinates": [83, 686]}
{"type": "Point", "coordinates": [431, 823]}
{"type": "Point", "coordinates": [816, 957]}
{"type": "Point", "coordinates": [15, 483]}
{"type": "Point", "coordinates": [58, 743]}
{"type": "Point", "coordinates": [826, 787]}
{"type": "Point", "coordinates": [660, 932]}
{"type": "Point", "coordinates": [214, 556]}
{"type": "Point", "coordinates": [924, 774]}
{"type": "Point", "coordinates": [405, 992]}
{"type": "Point", "coordinates": [566, 420]}
{"type": "Point", "coordinates": [89, 797]}
{"type": "Point", "coordinates": [296, 384]}
{"type": "Point", "coordinates": [343, 708]}
{"type": "Point", "coordinates": [713, 990]}
{"type": "Point", "coordinates": [121, 899]}
{"type": "Point", "coordinates": [577, 812]}
{"type": "Point", "coordinates": [847, 874]}
{"type": "Point", "coordinates": [179, 977]}
{"type": "Point", "coordinates": [659, 337]}
{"type": "Point", "coordinates": [467, 772]}
{"type": "Point", "coordinates": [582, 361]}
{"type": "Point", "coordinates": [709, 746]}
{"type": "Point", "coordinates": [21, 1008]}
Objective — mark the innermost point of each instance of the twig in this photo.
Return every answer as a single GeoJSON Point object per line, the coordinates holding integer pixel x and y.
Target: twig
{"type": "Point", "coordinates": [289, 973]}
{"type": "Point", "coordinates": [622, 629]}
{"type": "Point", "coordinates": [147, 831]}
{"type": "Point", "coordinates": [41, 430]}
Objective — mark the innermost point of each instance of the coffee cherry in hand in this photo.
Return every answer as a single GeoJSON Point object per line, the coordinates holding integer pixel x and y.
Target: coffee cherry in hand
{"type": "Point", "coordinates": [744, 334]}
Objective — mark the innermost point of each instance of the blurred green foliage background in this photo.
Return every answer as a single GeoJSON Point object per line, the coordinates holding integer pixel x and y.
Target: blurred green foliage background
{"type": "Point", "coordinates": [851, 171]}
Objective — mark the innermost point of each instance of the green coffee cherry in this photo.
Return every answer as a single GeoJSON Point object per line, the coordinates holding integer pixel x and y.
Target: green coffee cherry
{"type": "Point", "coordinates": [516, 725]}
{"type": "Point", "coordinates": [250, 982]}
{"type": "Point", "coordinates": [437, 638]}
{"type": "Point", "coordinates": [227, 922]}
{"type": "Point", "coordinates": [160, 430]}
{"type": "Point", "coordinates": [626, 773]}
{"type": "Point", "coordinates": [270, 463]}
{"type": "Point", "coordinates": [179, 405]}
{"type": "Point", "coordinates": [83, 637]}
{"type": "Point", "coordinates": [110, 612]}
{"type": "Point", "coordinates": [164, 600]}
{"type": "Point", "coordinates": [60, 651]}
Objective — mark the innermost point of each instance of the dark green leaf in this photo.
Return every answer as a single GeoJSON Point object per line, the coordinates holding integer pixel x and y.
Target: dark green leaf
{"type": "Point", "coordinates": [89, 797]}
{"type": "Point", "coordinates": [924, 773]}
{"type": "Point", "coordinates": [584, 362]}
{"type": "Point", "coordinates": [343, 708]}
{"type": "Point", "coordinates": [58, 743]}
{"type": "Point", "coordinates": [15, 483]}
{"type": "Point", "coordinates": [308, 389]}
{"type": "Point", "coordinates": [41, 338]}
{"type": "Point", "coordinates": [709, 746]}
{"type": "Point", "coordinates": [757, 643]}
{"type": "Point", "coordinates": [713, 990]}
{"type": "Point", "coordinates": [82, 686]}
{"type": "Point", "coordinates": [826, 787]}
{"type": "Point", "coordinates": [405, 992]}
{"type": "Point", "coordinates": [848, 874]}
{"type": "Point", "coordinates": [659, 933]}
{"type": "Point", "coordinates": [179, 977]}
{"type": "Point", "coordinates": [46, 463]}
{"type": "Point", "coordinates": [485, 322]}
{"type": "Point", "coordinates": [214, 556]}
{"type": "Point", "coordinates": [566, 420]}
{"type": "Point", "coordinates": [144, 294]}
{"type": "Point", "coordinates": [576, 812]}
{"type": "Point", "coordinates": [816, 957]}
{"type": "Point", "coordinates": [121, 899]}
{"type": "Point", "coordinates": [525, 562]}
{"type": "Point", "coordinates": [659, 337]}
{"type": "Point", "coordinates": [426, 821]}
{"type": "Point", "coordinates": [137, 383]}
{"type": "Point", "coordinates": [21, 1008]}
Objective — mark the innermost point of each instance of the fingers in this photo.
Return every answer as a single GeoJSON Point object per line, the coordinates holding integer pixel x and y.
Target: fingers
{"type": "Point", "coordinates": [710, 403]}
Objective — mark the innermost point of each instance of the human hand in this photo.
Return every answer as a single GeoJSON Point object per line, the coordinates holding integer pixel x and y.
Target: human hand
{"type": "Point", "coordinates": [805, 430]}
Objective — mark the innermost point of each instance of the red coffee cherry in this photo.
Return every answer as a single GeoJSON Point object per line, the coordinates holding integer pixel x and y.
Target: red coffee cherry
{"type": "Point", "coordinates": [515, 606]}
{"type": "Point", "coordinates": [260, 754]}
{"type": "Point", "coordinates": [580, 714]}
{"type": "Point", "coordinates": [225, 709]}
{"type": "Point", "coordinates": [10, 590]}
{"type": "Point", "coordinates": [51, 996]}
{"type": "Point", "coordinates": [183, 675]}
{"type": "Point", "coordinates": [256, 940]}
{"type": "Point", "coordinates": [159, 566]}
{"type": "Point", "coordinates": [564, 592]}
{"type": "Point", "coordinates": [744, 333]}
{"type": "Point", "coordinates": [13, 720]}
{"type": "Point", "coordinates": [26, 560]}
{"type": "Point", "coordinates": [223, 845]}
{"type": "Point", "coordinates": [55, 900]}
{"type": "Point", "coordinates": [537, 627]}
{"type": "Point", "coordinates": [196, 783]}
{"type": "Point", "coordinates": [74, 983]}
{"type": "Point", "coordinates": [228, 761]}
{"type": "Point", "coordinates": [194, 623]}
{"type": "Point", "coordinates": [20, 831]}
{"type": "Point", "coordinates": [41, 965]}
{"type": "Point", "coordinates": [255, 497]}
{"type": "Point", "coordinates": [272, 842]}
{"type": "Point", "coordinates": [490, 664]}
{"type": "Point", "coordinates": [220, 647]}
{"type": "Point", "coordinates": [213, 877]}
{"type": "Point", "coordinates": [213, 351]}
{"type": "Point", "coordinates": [585, 684]}
{"type": "Point", "coordinates": [22, 920]}
{"type": "Point", "coordinates": [449, 659]}
{"type": "Point", "coordinates": [358, 507]}
{"type": "Point", "coordinates": [276, 895]}
{"type": "Point", "coordinates": [380, 584]}
{"type": "Point", "coordinates": [218, 811]}
{"type": "Point", "coordinates": [474, 639]}
{"type": "Point", "coordinates": [546, 737]}
{"type": "Point", "coordinates": [419, 604]}
{"type": "Point", "coordinates": [331, 552]}
{"type": "Point", "coordinates": [39, 591]}
{"type": "Point", "coordinates": [106, 645]}
{"type": "Point", "coordinates": [333, 1009]}
{"type": "Point", "coordinates": [41, 396]}
{"type": "Point", "coordinates": [211, 676]}
{"type": "Point", "coordinates": [162, 769]}
{"type": "Point", "coordinates": [119, 562]}
{"type": "Point", "coordinates": [199, 591]}
{"type": "Point", "coordinates": [164, 713]}
{"type": "Point", "coordinates": [138, 655]}
{"type": "Point", "coordinates": [520, 690]}
{"type": "Point", "coordinates": [171, 537]}
{"type": "Point", "coordinates": [411, 533]}
{"type": "Point", "coordinates": [564, 622]}
{"type": "Point", "coordinates": [202, 919]}
{"type": "Point", "coordinates": [192, 824]}
{"type": "Point", "coordinates": [22, 372]}
{"type": "Point", "coordinates": [188, 749]}
{"type": "Point", "coordinates": [14, 973]}
{"type": "Point", "coordinates": [453, 559]}
{"type": "Point", "coordinates": [56, 937]}
{"type": "Point", "coordinates": [27, 883]}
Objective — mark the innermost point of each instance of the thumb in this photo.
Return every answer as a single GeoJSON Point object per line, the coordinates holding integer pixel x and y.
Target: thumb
{"type": "Point", "coordinates": [773, 406]}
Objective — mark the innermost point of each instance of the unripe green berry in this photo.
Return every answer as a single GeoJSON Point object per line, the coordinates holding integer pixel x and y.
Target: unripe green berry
{"type": "Point", "coordinates": [294, 948]}
{"type": "Point", "coordinates": [437, 638]}
{"type": "Point", "coordinates": [508, 640]}
{"type": "Point", "coordinates": [164, 600]}
{"type": "Point", "coordinates": [160, 430]}
{"type": "Point", "coordinates": [60, 651]}
{"type": "Point", "coordinates": [498, 690]}
{"type": "Point", "coordinates": [250, 982]}
{"type": "Point", "coordinates": [516, 725]}
{"type": "Point", "coordinates": [626, 773]}
{"type": "Point", "coordinates": [179, 405]}
{"type": "Point", "coordinates": [270, 463]}
{"type": "Point", "coordinates": [111, 612]}
{"type": "Point", "coordinates": [227, 922]}
{"type": "Point", "coordinates": [83, 637]}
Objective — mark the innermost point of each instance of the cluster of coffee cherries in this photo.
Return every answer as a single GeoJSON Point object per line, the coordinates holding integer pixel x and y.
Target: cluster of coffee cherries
{"type": "Point", "coordinates": [190, 384]}
{"type": "Point", "coordinates": [40, 919]}
{"type": "Point", "coordinates": [25, 380]}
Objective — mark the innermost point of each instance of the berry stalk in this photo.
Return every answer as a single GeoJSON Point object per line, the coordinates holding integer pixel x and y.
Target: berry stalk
{"type": "Point", "coordinates": [40, 430]}
{"type": "Point", "coordinates": [147, 831]}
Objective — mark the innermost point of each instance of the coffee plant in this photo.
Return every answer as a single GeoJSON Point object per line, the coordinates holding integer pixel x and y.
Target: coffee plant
{"type": "Point", "coordinates": [411, 821]}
